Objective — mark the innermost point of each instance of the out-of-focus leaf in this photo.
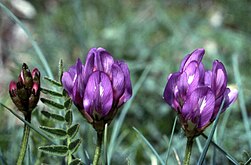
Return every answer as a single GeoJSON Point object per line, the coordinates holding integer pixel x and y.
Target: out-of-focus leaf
{"type": "Point", "coordinates": [53, 116]}
{"type": "Point", "coordinates": [54, 82]}
{"type": "Point", "coordinates": [53, 93]}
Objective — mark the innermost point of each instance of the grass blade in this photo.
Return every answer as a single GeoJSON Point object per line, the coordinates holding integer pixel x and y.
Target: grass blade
{"type": "Point", "coordinates": [29, 124]}
{"type": "Point", "coordinates": [118, 123]}
{"type": "Point", "coordinates": [203, 155]}
{"type": "Point", "coordinates": [171, 139]}
{"type": "Point", "coordinates": [150, 146]}
{"type": "Point", "coordinates": [249, 161]}
{"type": "Point", "coordinates": [228, 156]}
{"type": "Point", "coordinates": [241, 98]}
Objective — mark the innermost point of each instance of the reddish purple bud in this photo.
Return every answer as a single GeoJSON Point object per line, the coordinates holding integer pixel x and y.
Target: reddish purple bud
{"type": "Point", "coordinates": [13, 89]}
{"type": "Point", "coordinates": [26, 77]}
{"type": "Point", "coordinates": [25, 93]}
{"type": "Point", "coordinates": [35, 75]}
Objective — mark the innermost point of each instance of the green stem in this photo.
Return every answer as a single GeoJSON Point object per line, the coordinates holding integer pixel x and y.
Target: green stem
{"type": "Point", "coordinates": [69, 156]}
{"type": "Point", "coordinates": [98, 148]}
{"type": "Point", "coordinates": [188, 151]}
{"type": "Point", "coordinates": [24, 140]}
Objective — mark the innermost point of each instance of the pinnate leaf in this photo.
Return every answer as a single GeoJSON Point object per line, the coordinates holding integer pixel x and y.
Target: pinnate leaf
{"type": "Point", "coordinates": [56, 132]}
{"type": "Point", "coordinates": [68, 103]}
{"type": "Point", "coordinates": [54, 82]}
{"type": "Point", "coordinates": [60, 69]}
{"type": "Point", "coordinates": [72, 131]}
{"type": "Point", "coordinates": [76, 162]}
{"type": "Point", "coordinates": [53, 115]}
{"type": "Point", "coordinates": [73, 146]}
{"type": "Point", "coordinates": [53, 93]}
{"type": "Point", "coordinates": [58, 150]}
{"type": "Point", "coordinates": [68, 117]}
{"type": "Point", "coordinates": [52, 103]}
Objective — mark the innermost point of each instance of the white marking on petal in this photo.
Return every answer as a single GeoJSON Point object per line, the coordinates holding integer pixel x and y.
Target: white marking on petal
{"type": "Point", "coordinates": [101, 90]}
{"type": "Point", "coordinates": [190, 79]}
{"type": "Point", "coordinates": [86, 102]}
{"type": "Point", "coordinates": [75, 77]}
{"type": "Point", "coordinates": [203, 104]}
{"type": "Point", "coordinates": [176, 90]}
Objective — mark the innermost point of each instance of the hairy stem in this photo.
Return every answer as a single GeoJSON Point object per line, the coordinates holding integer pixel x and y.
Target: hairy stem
{"type": "Point", "coordinates": [24, 140]}
{"type": "Point", "coordinates": [98, 148]}
{"type": "Point", "coordinates": [188, 151]}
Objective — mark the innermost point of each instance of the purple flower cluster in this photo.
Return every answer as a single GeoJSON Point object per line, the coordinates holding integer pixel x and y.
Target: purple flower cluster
{"type": "Point", "coordinates": [197, 94]}
{"type": "Point", "coordinates": [99, 87]}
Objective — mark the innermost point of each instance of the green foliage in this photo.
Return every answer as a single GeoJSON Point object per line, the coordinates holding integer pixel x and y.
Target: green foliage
{"type": "Point", "coordinates": [53, 82]}
{"type": "Point", "coordinates": [73, 146]}
{"type": "Point", "coordinates": [53, 93]}
{"type": "Point", "coordinates": [150, 146]}
{"type": "Point", "coordinates": [68, 131]}
{"type": "Point", "coordinates": [53, 116]}
{"type": "Point", "coordinates": [76, 162]}
{"type": "Point", "coordinates": [57, 150]}
{"type": "Point", "coordinates": [68, 117]}
{"type": "Point", "coordinates": [52, 103]}
{"type": "Point", "coordinates": [73, 130]}
{"type": "Point", "coordinates": [55, 132]}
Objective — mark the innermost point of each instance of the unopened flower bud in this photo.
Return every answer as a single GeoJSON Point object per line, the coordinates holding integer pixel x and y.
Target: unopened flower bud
{"type": "Point", "coordinates": [36, 75]}
{"type": "Point", "coordinates": [25, 93]}
{"type": "Point", "coordinates": [26, 76]}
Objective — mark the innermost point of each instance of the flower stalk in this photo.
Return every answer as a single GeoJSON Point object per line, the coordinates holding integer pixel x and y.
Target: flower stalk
{"type": "Point", "coordinates": [188, 151]}
{"type": "Point", "coordinates": [25, 140]}
{"type": "Point", "coordinates": [98, 148]}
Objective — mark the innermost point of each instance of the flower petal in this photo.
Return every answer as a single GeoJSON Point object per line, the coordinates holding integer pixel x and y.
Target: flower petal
{"type": "Point", "coordinates": [171, 90]}
{"type": "Point", "coordinates": [106, 60]}
{"type": "Point", "coordinates": [207, 78]}
{"type": "Point", "coordinates": [219, 78]}
{"type": "Point", "coordinates": [68, 82]}
{"type": "Point", "coordinates": [118, 82]}
{"type": "Point", "coordinates": [199, 106]}
{"type": "Point", "coordinates": [128, 86]}
{"type": "Point", "coordinates": [89, 65]}
{"type": "Point", "coordinates": [230, 96]}
{"type": "Point", "coordinates": [196, 55]}
{"type": "Point", "coordinates": [195, 75]}
{"type": "Point", "coordinates": [182, 86]}
{"type": "Point", "coordinates": [98, 94]}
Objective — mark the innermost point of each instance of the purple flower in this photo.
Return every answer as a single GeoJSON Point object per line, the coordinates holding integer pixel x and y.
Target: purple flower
{"type": "Point", "coordinates": [197, 94]}
{"type": "Point", "coordinates": [25, 93]}
{"type": "Point", "coordinates": [99, 87]}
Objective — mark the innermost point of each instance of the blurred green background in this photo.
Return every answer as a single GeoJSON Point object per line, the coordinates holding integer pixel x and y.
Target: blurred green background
{"type": "Point", "coordinates": [143, 33]}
